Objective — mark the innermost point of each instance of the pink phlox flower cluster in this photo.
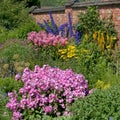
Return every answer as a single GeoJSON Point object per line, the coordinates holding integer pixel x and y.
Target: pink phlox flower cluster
{"type": "Point", "coordinates": [14, 105]}
{"type": "Point", "coordinates": [44, 39]}
{"type": "Point", "coordinates": [50, 88]}
{"type": "Point", "coordinates": [17, 76]}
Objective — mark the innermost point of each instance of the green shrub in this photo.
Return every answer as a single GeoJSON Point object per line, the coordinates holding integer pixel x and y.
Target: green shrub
{"type": "Point", "coordinates": [12, 67]}
{"type": "Point", "coordinates": [9, 66]}
{"type": "Point", "coordinates": [20, 32]}
{"type": "Point", "coordinates": [29, 3]}
{"type": "Point", "coordinates": [25, 28]}
{"type": "Point", "coordinates": [9, 85]}
{"type": "Point", "coordinates": [12, 14]}
{"type": "Point", "coordinates": [98, 43]}
{"type": "Point", "coordinates": [90, 22]}
{"type": "Point", "coordinates": [5, 114]}
{"type": "Point", "coordinates": [12, 47]}
{"type": "Point", "coordinates": [100, 105]}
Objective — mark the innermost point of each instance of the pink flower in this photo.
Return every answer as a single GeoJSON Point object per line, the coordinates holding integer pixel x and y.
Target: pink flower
{"type": "Point", "coordinates": [44, 39]}
{"type": "Point", "coordinates": [48, 88]}
{"type": "Point", "coordinates": [17, 116]}
{"type": "Point", "coordinates": [17, 77]}
{"type": "Point", "coordinates": [47, 109]}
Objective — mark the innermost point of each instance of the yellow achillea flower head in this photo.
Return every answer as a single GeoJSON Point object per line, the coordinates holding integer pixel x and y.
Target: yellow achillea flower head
{"type": "Point", "coordinates": [71, 47]}
{"type": "Point", "coordinates": [68, 53]}
{"type": "Point", "coordinates": [107, 86]}
{"type": "Point", "coordinates": [62, 51]}
{"type": "Point", "coordinates": [101, 85]}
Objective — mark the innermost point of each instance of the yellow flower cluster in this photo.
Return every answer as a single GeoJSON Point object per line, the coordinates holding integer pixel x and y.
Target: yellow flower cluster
{"type": "Point", "coordinates": [69, 52]}
{"type": "Point", "coordinates": [101, 85]}
{"type": "Point", "coordinates": [104, 41]}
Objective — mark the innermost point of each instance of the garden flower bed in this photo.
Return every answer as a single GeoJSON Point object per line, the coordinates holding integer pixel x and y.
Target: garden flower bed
{"type": "Point", "coordinates": [61, 72]}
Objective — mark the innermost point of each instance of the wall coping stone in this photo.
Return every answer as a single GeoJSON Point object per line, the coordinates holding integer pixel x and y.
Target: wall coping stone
{"type": "Point", "coordinates": [48, 9]}
{"type": "Point", "coordinates": [95, 3]}
{"type": "Point", "coordinates": [75, 5]}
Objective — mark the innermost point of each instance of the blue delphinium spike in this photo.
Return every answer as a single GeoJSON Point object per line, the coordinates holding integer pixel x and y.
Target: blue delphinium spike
{"type": "Point", "coordinates": [61, 29]}
{"type": "Point", "coordinates": [41, 25]}
{"type": "Point", "coordinates": [77, 36]}
{"type": "Point", "coordinates": [54, 26]}
{"type": "Point", "coordinates": [70, 25]}
{"type": "Point", "coordinates": [48, 29]}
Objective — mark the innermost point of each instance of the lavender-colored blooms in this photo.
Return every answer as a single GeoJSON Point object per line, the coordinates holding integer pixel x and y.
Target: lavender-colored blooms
{"type": "Point", "coordinates": [48, 88]}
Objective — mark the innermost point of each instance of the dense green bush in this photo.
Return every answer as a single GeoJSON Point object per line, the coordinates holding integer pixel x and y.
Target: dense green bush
{"type": "Point", "coordinates": [9, 85]}
{"type": "Point", "coordinates": [53, 3]}
{"type": "Point", "coordinates": [20, 32]}
{"type": "Point", "coordinates": [100, 105]}
{"type": "Point", "coordinates": [12, 14]}
{"type": "Point", "coordinates": [9, 65]}
{"type": "Point", "coordinates": [5, 114]}
{"type": "Point", "coordinates": [25, 28]}
{"type": "Point", "coordinates": [90, 21]}
{"type": "Point", "coordinates": [15, 21]}
{"type": "Point", "coordinates": [29, 3]}
{"type": "Point", "coordinates": [16, 47]}
{"type": "Point", "coordinates": [97, 45]}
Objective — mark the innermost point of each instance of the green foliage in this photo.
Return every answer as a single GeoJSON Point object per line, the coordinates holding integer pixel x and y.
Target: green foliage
{"type": "Point", "coordinates": [29, 3]}
{"type": "Point", "coordinates": [100, 105]}
{"type": "Point", "coordinates": [118, 62]}
{"type": "Point", "coordinates": [88, 59]}
{"type": "Point", "coordinates": [15, 21]}
{"type": "Point", "coordinates": [25, 28]}
{"type": "Point", "coordinates": [20, 32]}
{"type": "Point", "coordinates": [53, 3]}
{"type": "Point", "coordinates": [93, 63]}
{"type": "Point", "coordinates": [45, 117]}
{"type": "Point", "coordinates": [5, 114]}
{"type": "Point", "coordinates": [9, 84]}
{"type": "Point", "coordinates": [3, 34]}
{"type": "Point", "coordinates": [9, 65]}
{"type": "Point", "coordinates": [97, 46]}
{"type": "Point", "coordinates": [90, 22]}
{"type": "Point", "coordinates": [12, 67]}
{"type": "Point", "coordinates": [12, 14]}
{"type": "Point", "coordinates": [16, 47]}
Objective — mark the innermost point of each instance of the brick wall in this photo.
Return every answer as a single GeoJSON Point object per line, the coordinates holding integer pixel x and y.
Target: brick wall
{"type": "Point", "coordinates": [60, 14]}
